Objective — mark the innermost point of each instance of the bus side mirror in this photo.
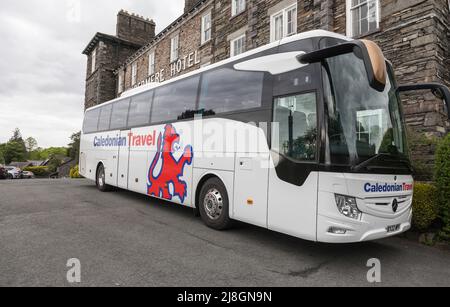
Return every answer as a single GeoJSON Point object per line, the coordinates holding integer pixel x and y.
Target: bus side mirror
{"type": "Point", "coordinates": [438, 90]}
{"type": "Point", "coordinates": [366, 50]}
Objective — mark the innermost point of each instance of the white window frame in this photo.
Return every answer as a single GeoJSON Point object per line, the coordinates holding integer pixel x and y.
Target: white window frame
{"type": "Point", "coordinates": [237, 7]}
{"type": "Point", "coordinates": [120, 83]}
{"type": "Point", "coordinates": [151, 63]}
{"type": "Point", "coordinates": [134, 73]}
{"type": "Point", "coordinates": [93, 60]}
{"type": "Point", "coordinates": [206, 28]}
{"type": "Point", "coordinates": [233, 47]}
{"type": "Point", "coordinates": [350, 8]}
{"type": "Point", "coordinates": [174, 48]}
{"type": "Point", "coordinates": [284, 13]}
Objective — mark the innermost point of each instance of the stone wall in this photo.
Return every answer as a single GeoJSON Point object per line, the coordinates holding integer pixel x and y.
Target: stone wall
{"type": "Point", "coordinates": [189, 44]}
{"type": "Point", "coordinates": [134, 28]}
{"type": "Point", "coordinates": [224, 25]}
{"type": "Point", "coordinates": [190, 4]}
{"type": "Point", "coordinates": [101, 84]}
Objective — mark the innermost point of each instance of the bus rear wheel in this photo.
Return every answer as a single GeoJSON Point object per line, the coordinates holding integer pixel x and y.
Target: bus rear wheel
{"type": "Point", "coordinates": [100, 179]}
{"type": "Point", "coordinates": [214, 205]}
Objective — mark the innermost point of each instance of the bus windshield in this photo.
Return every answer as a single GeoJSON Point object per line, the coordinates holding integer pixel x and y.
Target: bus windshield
{"type": "Point", "coordinates": [364, 125]}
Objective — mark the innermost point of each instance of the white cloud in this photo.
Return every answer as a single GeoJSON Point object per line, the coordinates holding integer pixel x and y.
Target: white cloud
{"type": "Point", "coordinates": [43, 71]}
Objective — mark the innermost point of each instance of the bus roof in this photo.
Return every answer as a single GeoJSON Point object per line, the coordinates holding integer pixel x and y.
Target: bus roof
{"type": "Point", "coordinates": [287, 40]}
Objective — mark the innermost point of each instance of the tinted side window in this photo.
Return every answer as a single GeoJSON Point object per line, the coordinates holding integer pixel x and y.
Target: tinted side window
{"type": "Point", "coordinates": [294, 81]}
{"type": "Point", "coordinates": [91, 121]}
{"type": "Point", "coordinates": [175, 101]}
{"type": "Point", "coordinates": [227, 90]}
{"type": "Point", "coordinates": [105, 116]}
{"type": "Point", "coordinates": [140, 109]}
{"type": "Point", "coordinates": [296, 116]}
{"type": "Point", "coordinates": [119, 114]}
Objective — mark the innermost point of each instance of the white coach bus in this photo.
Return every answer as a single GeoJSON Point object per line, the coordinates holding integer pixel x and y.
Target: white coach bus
{"type": "Point", "coordinates": [304, 136]}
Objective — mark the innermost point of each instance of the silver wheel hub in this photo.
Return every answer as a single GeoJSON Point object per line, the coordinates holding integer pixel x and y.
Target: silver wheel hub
{"type": "Point", "coordinates": [213, 204]}
{"type": "Point", "coordinates": [101, 178]}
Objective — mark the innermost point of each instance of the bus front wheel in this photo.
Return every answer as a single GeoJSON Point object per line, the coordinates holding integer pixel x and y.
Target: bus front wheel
{"type": "Point", "coordinates": [213, 205]}
{"type": "Point", "coordinates": [100, 179]}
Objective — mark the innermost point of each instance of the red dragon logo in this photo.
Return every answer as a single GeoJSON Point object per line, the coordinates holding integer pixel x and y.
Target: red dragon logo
{"type": "Point", "coordinates": [171, 168]}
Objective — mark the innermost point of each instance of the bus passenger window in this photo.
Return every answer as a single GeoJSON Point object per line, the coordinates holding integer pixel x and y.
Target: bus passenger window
{"type": "Point", "coordinates": [119, 114]}
{"type": "Point", "coordinates": [227, 90]}
{"type": "Point", "coordinates": [175, 100]}
{"type": "Point", "coordinates": [105, 116]}
{"type": "Point", "coordinates": [91, 121]}
{"type": "Point", "coordinates": [140, 106]}
{"type": "Point", "coordinates": [296, 117]}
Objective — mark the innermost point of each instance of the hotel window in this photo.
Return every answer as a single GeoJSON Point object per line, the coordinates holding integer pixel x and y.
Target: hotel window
{"type": "Point", "coordinates": [174, 47]}
{"type": "Point", "coordinates": [93, 60]}
{"type": "Point", "coordinates": [283, 23]}
{"type": "Point", "coordinates": [237, 7]}
{"type": "Point", "coordinates": [151, 63]}
{"type": "Point", "coordinates": [363, 16]}
{"type": "Point", "coordinates": [120, 83]}
{"type": "Point", "coordinates": [206, 28]}
{"type": "Point", "coordinates": [133, 74]}
{"type": "Point", "coordinates": [238, 45]}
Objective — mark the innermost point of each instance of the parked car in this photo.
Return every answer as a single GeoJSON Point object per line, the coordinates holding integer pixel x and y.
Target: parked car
{"type": "Point", "coordinates": [27, 175]}
{"type": "Point", "coordinates": [3, 173]}
{"type": "Point", "coordinates": [13, 172]}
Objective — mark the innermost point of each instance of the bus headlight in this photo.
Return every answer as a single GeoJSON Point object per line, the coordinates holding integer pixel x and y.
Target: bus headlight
{"type": "Point", "coordinates": [347, 206]}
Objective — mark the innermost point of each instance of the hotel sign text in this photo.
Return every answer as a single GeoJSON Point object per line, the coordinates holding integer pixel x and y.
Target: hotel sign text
{"type": "Point", "coordinates": [176, 68]}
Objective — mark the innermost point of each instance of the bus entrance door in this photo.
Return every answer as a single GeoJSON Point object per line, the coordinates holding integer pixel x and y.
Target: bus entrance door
{"type": "Point", "coordinates": [122, 163]}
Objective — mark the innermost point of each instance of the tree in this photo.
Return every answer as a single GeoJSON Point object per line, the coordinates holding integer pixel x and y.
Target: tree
{"type": "Point", "coordinates": [17, 136]}
{"type": "Point", "coordinates": [30, 144]}
{"type": "Point", "coordinates": [74, 146]}
{"type": "Point", "coordinates": [17, 139]}
{"type": "Point", "coordinates": [35, 154]}
{"type": "Point", "coordinates": [53, 163]}
{"type": "Point", "coordinates": [2, 153]}
{"type": "Point", "coordinates": [14, 152]}
{"type": "Point", "coordinates": [52, 151]}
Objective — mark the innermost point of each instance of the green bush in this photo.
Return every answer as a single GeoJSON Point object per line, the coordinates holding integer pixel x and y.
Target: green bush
{"type": "Point", "coordinates": [425, 208]}
{"type": "Point", "coordinates": [423, 147]}
{"type": "Point", "coordinates": [75, 172]}
{"type": "Point", "coordinates": [38, 171]}
{"type": "Point", "coordinates": [442, 179]}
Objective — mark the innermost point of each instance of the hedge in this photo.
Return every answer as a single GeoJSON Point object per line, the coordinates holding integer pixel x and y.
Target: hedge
{"type": "Point", "coordinates": [425, 208]}
{"type": "Point", "coordinates": [38, 171]}
{"type": "Point", "coordinates": [442, 179]}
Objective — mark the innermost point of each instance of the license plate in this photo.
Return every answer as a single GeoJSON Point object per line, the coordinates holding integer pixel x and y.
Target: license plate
{"type": "Point", "coordinates": [393, 228]}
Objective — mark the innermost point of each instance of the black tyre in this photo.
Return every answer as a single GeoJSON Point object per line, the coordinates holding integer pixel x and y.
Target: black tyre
{"type": "Point", "coordinates": [10, 177]}
{"type": "Point", "coordinates": [214, 206]}
{"type": "Point", "coordinates": [100, 179]}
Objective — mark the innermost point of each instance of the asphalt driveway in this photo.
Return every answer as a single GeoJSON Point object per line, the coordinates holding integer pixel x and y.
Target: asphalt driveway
{"type": "Point", "coordinates": [126, 239]}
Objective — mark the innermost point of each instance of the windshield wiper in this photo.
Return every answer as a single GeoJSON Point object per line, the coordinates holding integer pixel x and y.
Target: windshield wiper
{"type": "Point", "coordinates": [368, 161]}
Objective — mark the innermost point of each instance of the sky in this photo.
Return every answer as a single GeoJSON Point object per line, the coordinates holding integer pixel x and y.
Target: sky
{"type": "Point", "coordinates": [43, 71]}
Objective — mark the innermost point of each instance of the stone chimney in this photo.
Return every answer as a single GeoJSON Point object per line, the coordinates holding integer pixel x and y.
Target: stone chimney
{"type": "Point", "coordinates": [189, 5]}
{"type": "Point", "coordinates": [135, 28]}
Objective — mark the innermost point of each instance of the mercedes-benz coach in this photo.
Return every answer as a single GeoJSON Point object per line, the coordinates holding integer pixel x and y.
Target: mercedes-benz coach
{"type": "Point", "coordinates": [304, 136]}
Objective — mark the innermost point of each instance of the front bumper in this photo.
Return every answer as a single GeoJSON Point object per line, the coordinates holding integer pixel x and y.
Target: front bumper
{"type": "Point", "coordinates": [368, 228]}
